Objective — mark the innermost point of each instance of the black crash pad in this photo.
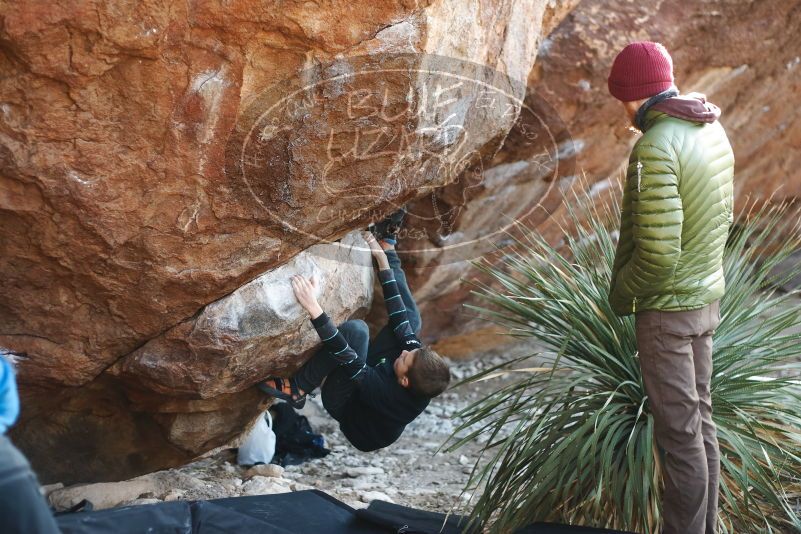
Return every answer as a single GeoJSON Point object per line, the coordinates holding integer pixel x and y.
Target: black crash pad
{"type": "Point", "coordinates": [300, 512]}
{"type": "Point", "coordinates": [397, 518]}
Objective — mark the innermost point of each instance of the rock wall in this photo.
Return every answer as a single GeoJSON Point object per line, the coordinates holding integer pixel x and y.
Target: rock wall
{"type": "Point", "coordinates": [156, 158]}
{"type": "Point", "coordinates": [254, 331]}
{"type": "Point", "coordinates": [188, 390]}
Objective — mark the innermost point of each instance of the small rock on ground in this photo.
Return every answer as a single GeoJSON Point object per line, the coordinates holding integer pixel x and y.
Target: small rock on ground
{"type": "Point", "coordinates": [355, 472]}
{"type": "Point", "coordinates": [265, 470]}
{"type": "Point", "coordinates": [259, 485]}
{"type": "Point", "coordinates": [369, 496]}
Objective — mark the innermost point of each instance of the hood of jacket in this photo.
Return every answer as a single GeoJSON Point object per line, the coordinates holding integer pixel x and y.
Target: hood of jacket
{"type": "Point", "coordinates": [690, 107]}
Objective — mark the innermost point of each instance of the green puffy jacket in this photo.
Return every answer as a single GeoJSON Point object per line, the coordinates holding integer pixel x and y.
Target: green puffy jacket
{"type": "Point", "coordinates": [676, 214]}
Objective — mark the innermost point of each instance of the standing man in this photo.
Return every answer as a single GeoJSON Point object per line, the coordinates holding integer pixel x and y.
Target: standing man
{"type": "Point", "coordinates": [668, 270]}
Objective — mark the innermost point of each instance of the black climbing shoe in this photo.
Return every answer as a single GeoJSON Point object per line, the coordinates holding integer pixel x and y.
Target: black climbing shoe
{"type": "Point", "coordinates": [284, 389]}
{"type": "Point", "coordinates": [389, 227]}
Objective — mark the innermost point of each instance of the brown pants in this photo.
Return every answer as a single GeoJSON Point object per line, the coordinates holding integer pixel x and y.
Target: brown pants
{"type": "Point", "coordinates": [675, 350]}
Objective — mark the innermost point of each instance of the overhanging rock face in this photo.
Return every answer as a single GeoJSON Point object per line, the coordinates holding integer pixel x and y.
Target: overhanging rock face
{"type": "Point", "coordinates": [125, 206]}
{"type": "Point", "coordinates": [256, 330]}
{"type": "Point", "coordinates": [190, 389]}
{"type": "Point", "coordinates": [140, 184]}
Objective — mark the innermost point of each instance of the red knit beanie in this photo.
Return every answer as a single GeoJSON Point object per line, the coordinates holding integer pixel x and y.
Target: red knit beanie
{"type": "Point", "coordinates": [640, 70]}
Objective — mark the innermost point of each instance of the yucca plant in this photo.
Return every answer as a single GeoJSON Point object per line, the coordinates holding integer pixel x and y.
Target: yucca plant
{"type": "Point", "coordinates": [571, 437]}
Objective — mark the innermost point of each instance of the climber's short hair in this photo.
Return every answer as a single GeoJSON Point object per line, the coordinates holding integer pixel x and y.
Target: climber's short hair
{"type": "Point", "coordinates": [429, 374]}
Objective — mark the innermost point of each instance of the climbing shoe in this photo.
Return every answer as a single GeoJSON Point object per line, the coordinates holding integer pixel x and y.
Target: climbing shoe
{"type": "Point", "coordinates": [387, 229]}
{"type": "Point", "coordinates": [284, 389]}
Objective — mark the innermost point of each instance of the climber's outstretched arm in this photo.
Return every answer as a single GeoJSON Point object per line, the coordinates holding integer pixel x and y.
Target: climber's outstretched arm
{"type": "Point", "coordinates": [378, 253]}
{"type": "Point", "coordinates": [403, 326]}
{"type": "Point", "coordinates": [333, 340]}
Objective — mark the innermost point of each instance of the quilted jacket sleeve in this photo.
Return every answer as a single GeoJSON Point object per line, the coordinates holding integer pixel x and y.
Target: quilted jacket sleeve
{"type": "Point", "coordinates": [625, 244]}
{"type": "Point", "coordinates": [656, 218]}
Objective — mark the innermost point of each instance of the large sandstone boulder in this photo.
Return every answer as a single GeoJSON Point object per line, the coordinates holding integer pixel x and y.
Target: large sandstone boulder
{"type": "Point", "coordinates": [189, 390]}
{"type": "Point", "coordinates": [156, 158]}
{"type": "Point", "coordinates": [256, 330]}
{"type": "Point", "coordinates": [120, 218]}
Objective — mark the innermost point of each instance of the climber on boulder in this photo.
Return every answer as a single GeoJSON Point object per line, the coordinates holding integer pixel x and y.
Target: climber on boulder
{"type": "Point", "coordinates": [373, 388]}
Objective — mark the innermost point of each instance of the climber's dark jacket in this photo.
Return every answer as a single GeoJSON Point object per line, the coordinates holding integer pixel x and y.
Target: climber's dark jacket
{"type": "Point", "coordinates": [380, 409]}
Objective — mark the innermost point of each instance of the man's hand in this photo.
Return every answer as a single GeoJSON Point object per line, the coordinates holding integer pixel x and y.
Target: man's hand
{"type": "Point", "coordinates": [376, 250]}
{"type": "Point", "coordinates": [305, 293]}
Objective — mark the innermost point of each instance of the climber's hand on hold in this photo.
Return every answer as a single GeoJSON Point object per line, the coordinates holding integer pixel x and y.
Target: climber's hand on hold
{"type": "Point", "coordinates": [376, 250]}
{"type": "Point", "coordinates": [305, 293]}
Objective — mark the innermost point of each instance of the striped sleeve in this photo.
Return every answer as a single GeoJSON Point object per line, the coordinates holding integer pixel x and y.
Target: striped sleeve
{"type": "Point", "coordinates": [333, 340]}
{"type": "Point", "coordinates": [396, 310]}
